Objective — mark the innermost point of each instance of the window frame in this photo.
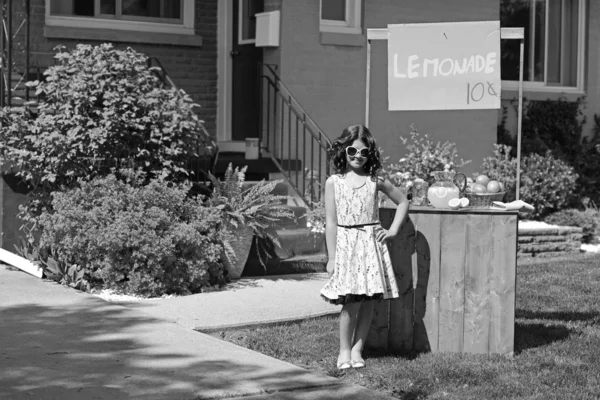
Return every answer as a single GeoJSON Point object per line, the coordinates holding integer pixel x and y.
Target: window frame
{"type": "Point", "coordinates": [543, 87]}
{"type": "Point", "coordinates": [240, 38]}
{"type": "Point", "coordinates": [185, 26]}
{"type": "Point", "coordinates": [352, 24]}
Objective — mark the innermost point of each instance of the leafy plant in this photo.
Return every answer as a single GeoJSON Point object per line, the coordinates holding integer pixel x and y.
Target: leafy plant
{"type": "Point", "coordinates": [558, 126]}
{"type": "Point", "coordinates": [255, 207]}
{"type": "Point", "coordinates": [547, 183]}
{"type": "Point", "coordinates": [146, 239]}
{"type": "Point", "coordinates": [73, 276]}
{"type": "Point", "coordinates": [315, 218]}
{"type": "Point", "coordinates": [101, 107]}
{"type": "Point", "coordinates": [423, 157]}
{"type": "Point", "coordinates": [588, 220]}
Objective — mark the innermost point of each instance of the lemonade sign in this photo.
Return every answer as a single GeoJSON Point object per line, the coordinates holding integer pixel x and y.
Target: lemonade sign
{"type": "Point", "coordinates": [444, 66]}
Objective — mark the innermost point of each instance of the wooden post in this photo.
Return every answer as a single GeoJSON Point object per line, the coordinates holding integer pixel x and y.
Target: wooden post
{"type": "Point", "coordinates": [517, 34]}
{"type": "Point", "coordinates": [520, 116]}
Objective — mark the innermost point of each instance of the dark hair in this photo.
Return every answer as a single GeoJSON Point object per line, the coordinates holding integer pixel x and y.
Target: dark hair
{"type": "Point", "coordinates": [337, 151]}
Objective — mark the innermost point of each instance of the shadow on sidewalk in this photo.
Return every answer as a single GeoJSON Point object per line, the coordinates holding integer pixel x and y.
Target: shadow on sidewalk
{"type": "Point", "coordinates": [78, 351]}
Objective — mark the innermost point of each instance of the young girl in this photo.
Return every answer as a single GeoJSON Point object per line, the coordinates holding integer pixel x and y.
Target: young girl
{"type": "Point", "coordinates": [358, 263]}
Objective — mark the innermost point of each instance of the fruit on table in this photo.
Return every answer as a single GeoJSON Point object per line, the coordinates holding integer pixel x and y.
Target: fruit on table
{"type": "Point", "coordinates": [482, 180]}
{"type": "Point", "coordinates": [479, 188]}
{"type": "Point", "coordinates": [464, 202]}
{"type": "Point", "coordinates": [493, 186]}
{"type": "Point", "coordinates": [454, 203]}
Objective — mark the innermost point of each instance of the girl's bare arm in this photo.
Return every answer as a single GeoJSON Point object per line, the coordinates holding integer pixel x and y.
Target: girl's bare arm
{"type": "Point", "coordinates": [399, 199]}
{"type": "Point", "coordinates": [330, 218]}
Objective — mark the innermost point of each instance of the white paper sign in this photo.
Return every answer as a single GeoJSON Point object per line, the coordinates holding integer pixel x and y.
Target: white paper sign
{"type": "Point", "coordinates": [444, 66]}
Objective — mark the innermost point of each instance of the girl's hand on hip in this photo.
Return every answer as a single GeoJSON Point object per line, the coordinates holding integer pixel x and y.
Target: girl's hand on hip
{"type": "Point", "coordinates": [382, 235]}
{"type": "Point", "coordinates": [330, 267]}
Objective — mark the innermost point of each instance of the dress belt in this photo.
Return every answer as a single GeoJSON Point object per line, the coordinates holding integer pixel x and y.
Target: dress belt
{"type": "Point", "coordinates": [358, 226]}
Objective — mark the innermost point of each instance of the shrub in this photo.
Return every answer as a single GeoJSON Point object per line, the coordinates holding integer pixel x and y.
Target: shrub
{"type": "Point", "coordinates": [587, 166]}
{"type": "Point", "coordinates": [148, 240]}
{"type": "Point", "coordinates": [557, 125]}
{"type": "Point", "coordinates": [588, 220]}
{"type": "Point", "coordinates": [547, 183]}
{"type": "Point", "coordinates": [423, 156]}
{"type": "Point", "coordinates": [99, 104]}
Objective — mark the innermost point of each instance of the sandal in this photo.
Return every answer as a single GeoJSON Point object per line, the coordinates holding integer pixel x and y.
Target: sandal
{"type": "Point", "coordinates": [360, 363]}
{"type": "Point", "coordinates": [344, 365]}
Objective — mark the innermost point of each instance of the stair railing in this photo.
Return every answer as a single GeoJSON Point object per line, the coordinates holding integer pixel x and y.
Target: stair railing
{"type": "Point", "coordinates": [14, 47]}
{"type": "Point", "coordinates": [157, 68]}
{"type": "Point", "coordinates": [294, 142]}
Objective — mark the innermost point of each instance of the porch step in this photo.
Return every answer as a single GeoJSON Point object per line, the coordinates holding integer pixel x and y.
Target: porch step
{"type": "Point", "coordinates": [296, 265]}
{"type": "Point", "coordinates": [301, 251]}
{"type": "Point", "coordinates": [299, 241]}
{"type": "Point", "coordinates": [257, 169]}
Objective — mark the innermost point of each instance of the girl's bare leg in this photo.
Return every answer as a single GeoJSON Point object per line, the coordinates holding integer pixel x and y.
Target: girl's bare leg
{"type": "Point", "coordinates": [365, 315]}
{"type": "Point", "coordinates": [348, 318]}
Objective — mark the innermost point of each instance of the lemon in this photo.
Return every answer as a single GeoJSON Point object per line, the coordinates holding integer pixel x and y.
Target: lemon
{"type": "Point", "coordinates": [454, 203]}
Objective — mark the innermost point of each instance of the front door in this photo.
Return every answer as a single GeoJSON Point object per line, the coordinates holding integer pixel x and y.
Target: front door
{"type": "Point", "coordinates": [245, 68]}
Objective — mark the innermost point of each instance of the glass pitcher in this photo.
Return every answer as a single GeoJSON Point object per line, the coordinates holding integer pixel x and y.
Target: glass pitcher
{"type": "Point", "coordinates": [448, 185]}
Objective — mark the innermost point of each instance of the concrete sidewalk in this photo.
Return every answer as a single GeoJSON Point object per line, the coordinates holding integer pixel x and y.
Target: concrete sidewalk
{"type": "Point", "coordinates": [58, 343]}
{"type": "Point", "coordinates": [245, 301]}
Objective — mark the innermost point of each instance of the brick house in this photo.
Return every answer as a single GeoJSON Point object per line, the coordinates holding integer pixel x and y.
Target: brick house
{"type": "Point", "coordinates": [208, 48]}
{"type": "Point", "coordinates": [311, 79]}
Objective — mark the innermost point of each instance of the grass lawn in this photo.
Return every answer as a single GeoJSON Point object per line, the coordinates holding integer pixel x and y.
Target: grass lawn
{"type": "Point", "coordinates": [557, 345]}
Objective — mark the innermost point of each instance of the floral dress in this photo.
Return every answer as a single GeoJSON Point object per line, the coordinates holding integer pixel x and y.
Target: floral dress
{"type": "Point", "coordinates": [363, 268]}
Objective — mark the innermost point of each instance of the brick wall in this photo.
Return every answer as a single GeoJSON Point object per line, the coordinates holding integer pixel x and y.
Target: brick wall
{"type": "Point", "coordinates": [193, 69]}
{"type": "Point", "coordinates": [330, 80]}
{"type": "Point", "coordinates": [272, 55]}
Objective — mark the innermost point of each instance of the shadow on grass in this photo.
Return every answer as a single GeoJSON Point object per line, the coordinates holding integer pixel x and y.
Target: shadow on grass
{"type": "Point", "coordinates": [529, 336]}
{"type": "Point", "coordinates": [561, 316]}
{"type": "Point", "coordinates": [72, 346]}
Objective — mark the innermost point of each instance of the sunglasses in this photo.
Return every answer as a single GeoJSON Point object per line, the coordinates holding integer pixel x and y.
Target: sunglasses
{"type": "Point", "coordinates": [353, 151]}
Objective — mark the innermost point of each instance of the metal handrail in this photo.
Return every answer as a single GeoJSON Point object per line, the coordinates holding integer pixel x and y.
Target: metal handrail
{"type": "Point", "coordinates": [298, 105]}
{"type": "Point", "coordinates": [165, 78]}
{"type": "Point", "coordinates": [278, 106]}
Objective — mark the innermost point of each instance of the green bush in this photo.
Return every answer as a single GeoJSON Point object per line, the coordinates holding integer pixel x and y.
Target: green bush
{"type": "Point", "coordinates": [148, 240]}
{"type": "Point", "coordinates": [588, 220]}
{"type": "Point", "coordinates": [99, 104]}
{"type": "Point", "coordinates": [558, 126]}
{"type": "Point", "coordinates": [555, 125]}
{"type": "Point", "coordinates": [547, 183]}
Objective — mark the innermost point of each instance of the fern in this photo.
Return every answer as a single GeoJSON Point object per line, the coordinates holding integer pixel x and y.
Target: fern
{"type": "Point", "coordinates": [256, 207]}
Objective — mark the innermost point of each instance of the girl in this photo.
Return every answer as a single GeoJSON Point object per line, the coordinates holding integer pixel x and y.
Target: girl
{"type": "Point", "coordinates": [358, 263]}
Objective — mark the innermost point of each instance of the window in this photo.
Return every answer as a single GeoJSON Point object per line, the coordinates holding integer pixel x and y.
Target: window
{"type": "Point", "coordinates": [247, 21]}
{"type": "Point", "coordinates": [341, 16]}
{"type": "Point", "coordinates": [159, 16]}
{"type": "Point", "coordinates": [554, 50]}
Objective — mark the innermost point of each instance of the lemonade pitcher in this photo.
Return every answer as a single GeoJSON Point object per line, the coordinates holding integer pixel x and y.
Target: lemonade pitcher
{"type": "Point", "coordinates": [448, 185]}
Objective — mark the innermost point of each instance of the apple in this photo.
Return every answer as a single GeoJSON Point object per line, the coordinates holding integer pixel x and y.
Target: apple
{"type": "Point", "coordinates": [493, 186]}
{"type": "Point", "coordinates": [479, 188]}
{"type": "Point", "coordinates": [501, 186]}
{"type": "Point", "coordinates": [482, 180]}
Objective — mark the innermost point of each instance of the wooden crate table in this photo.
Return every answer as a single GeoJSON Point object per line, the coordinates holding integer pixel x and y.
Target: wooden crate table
{"type": "Point", "coordinates": [456, 271]}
